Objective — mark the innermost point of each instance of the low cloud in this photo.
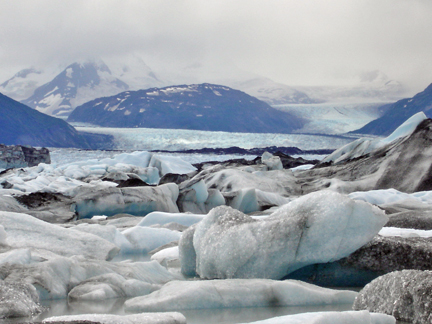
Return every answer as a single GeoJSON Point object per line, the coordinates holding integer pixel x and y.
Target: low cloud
{"type": "Point", "coordinates": [308, 42]}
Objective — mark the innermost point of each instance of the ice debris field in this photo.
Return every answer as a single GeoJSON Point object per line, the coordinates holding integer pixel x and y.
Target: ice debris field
{"type": "Point", "coordinates": [163, 238]}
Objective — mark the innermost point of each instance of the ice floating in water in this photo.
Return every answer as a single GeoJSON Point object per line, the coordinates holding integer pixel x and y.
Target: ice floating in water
{"type": "Point", "coordinates": [389, 196]}
{"type": "Point", "coordinates": [144, 318]}
{"type": "Point", "coordinates": [25, 231]}
{"type": "Point", "coordinates": [137, 201]}
{"type": "Point", "coordinates": [54, 279]}
{"type": "Point", "coordinates": [363, 146]}
{"type": "Point", "coordinates": [145, 239]}
{"type": "Point", "coordinates": [351, 317]}
{"type": "Point", "coordinates": [235, 293]}
{"type": "Point", "coordinates": [66, 178]}
{"type": "Point", "coordinates": [162, 218]}
{"type": "Point", "coordinates": [320, 227]}
{"type": "Point", "coordinates": [404, 232]}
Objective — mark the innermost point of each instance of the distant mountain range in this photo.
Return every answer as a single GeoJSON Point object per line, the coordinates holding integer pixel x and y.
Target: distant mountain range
{"type": "Point", "coordinates": [199, 106]}
{"type": "Point", "coordinates": [22, 125]}
{"type": "Point", "coordinates": [59, 90]}
{"type": "Point", "coordinates": [398, 112]}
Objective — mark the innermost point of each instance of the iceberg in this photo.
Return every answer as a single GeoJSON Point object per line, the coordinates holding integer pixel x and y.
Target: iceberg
{"type": "Point", "coordinates": [146, 239]}
{"type": "Point", "coordinates": [145, 318]}
{"type": "Point", "coordinates": [56, 278]}
{"type": "Point", "coordinates": [162, 218]}
{"type": "Point", "coordinates": [319, 227]}
{"type": "Point", "coordinates": [235, 293]}
{"type": "Point", "coordinates": [108, 286]}
{"type": "Point", "coordinates": [138, 201]}
{"type": "Point", "coordinates": [25, 231]}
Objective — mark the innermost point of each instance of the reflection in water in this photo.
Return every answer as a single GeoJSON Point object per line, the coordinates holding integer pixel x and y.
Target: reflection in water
{"type": "Point", "coordinates": [244, 315]}
{"type": "Point", "coordinates": [199, 316]}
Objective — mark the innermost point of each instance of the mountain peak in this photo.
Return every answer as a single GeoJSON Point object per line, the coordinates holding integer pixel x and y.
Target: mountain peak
{"type": "Point", "coordinates": [203, 106]}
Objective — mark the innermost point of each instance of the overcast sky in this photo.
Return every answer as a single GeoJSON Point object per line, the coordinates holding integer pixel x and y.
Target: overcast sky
{"type": "Point", "coordinates": [297, 42]}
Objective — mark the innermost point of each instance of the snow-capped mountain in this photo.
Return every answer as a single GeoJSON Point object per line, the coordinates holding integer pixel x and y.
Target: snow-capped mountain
{"type": "Point", "coordinates": [198, 106]}
{"type": "Point", "coordinates": [230, 75]}
{"type": "Point", "coordinates": [78, 83]}
{"type": "Point", "coordinates": [271, 92]}
{"type": "Point", "coordinates": [23, 84]}
{"type": "Point", "coordinates": [57, 91]}
{"type": "Point", "coordinates": [372, 86]}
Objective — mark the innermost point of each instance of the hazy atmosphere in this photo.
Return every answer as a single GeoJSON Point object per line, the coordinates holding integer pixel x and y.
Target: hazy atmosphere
{"type": "Point", "coordinates": [308, 42]}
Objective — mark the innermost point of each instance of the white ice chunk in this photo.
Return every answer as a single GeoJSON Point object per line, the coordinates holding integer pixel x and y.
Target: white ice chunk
{"type": "Point", "coordinates": [245, 200]}
{"type": "Point", "coordinates": [163, 218]}
{"type": "Point", "coordinates": [145, 239]}
{"type": "Point", "coordinates": [3, 235]}
{"type": "Point", "coordinates": [107, 232]}
{"type": "Point", "coordinates": [137, 201]}
{"type": "Point", "coordinates": [16, 256]}
{"type": "Point", "coordinates": [320, 227]}
{"type": "Point", "coordinates": [201, 191]}
{"type": "Point", "coordinates": [54, 278]}
{"type": "Point", "coordinates": [141, 159]}
{"type": "Point", "coordinates": [351, 317]}
{"type": "Point", "coordinates": [171, 164]}
{"type": "Point", "coordinates": [25, 231]}
{"type": "Point", "coordinates": [167, 255]}
{"type": "Point", "coordinates": [272, 162]}
{"type": "Point", "coordinates": [234, 293]}
{"type": "Point", "coordinates": [404, 232]}
{"type": "Point", "coordinates": [149, 318]}
{"type": "Point", "coordinates": [388, 196]}
{"type": "Point", "coordinates": [110, 285]}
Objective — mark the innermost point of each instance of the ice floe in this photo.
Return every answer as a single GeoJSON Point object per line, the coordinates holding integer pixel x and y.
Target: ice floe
{"type": "Point", "coordinates": [144, 318]}
{"type": "Point", "coordinates": [234, 293]}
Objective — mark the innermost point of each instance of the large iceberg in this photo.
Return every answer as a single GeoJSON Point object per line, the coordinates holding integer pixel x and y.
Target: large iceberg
{"type": "Point", "coordinates": [234, 293]}
{"type": "Point", "coordinates": [317, 228]}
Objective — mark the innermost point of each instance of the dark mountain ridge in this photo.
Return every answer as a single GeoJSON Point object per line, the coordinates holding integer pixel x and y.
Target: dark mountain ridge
{"type": "Point", "coordinates": [198, 106]}
{"type": "Point", "coordinates": [21, 125]}
{"type": "Point", "coordinates": [398, 112]}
